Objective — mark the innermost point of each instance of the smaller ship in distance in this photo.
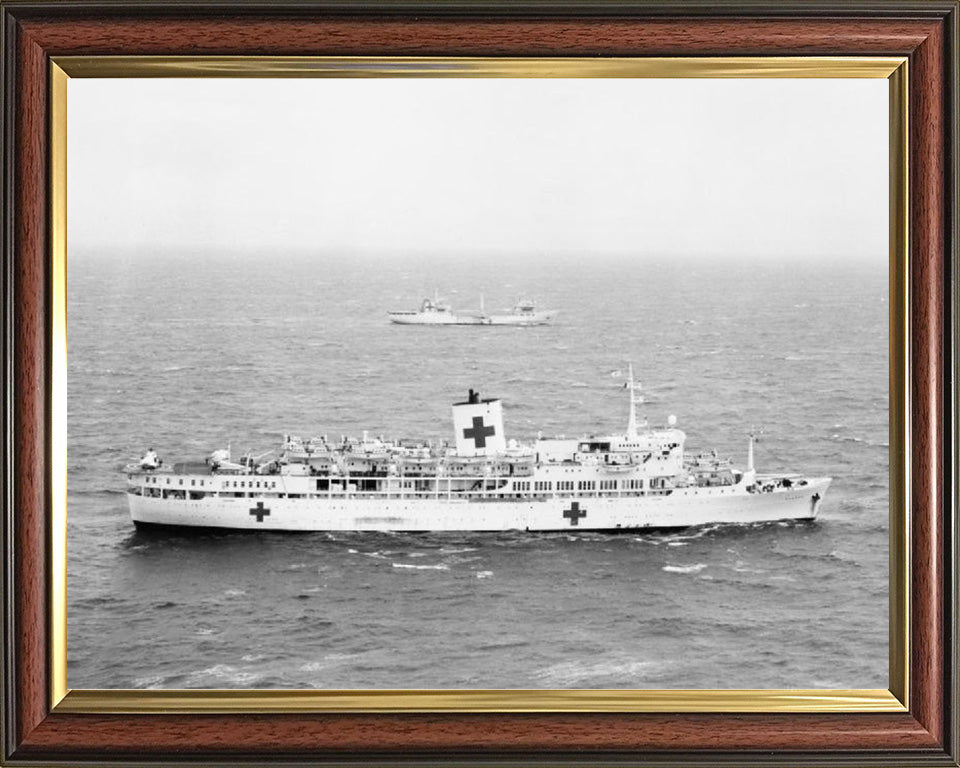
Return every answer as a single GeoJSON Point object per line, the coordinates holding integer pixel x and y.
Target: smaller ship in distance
{"type": "Point", "coordinates": [437, 311]}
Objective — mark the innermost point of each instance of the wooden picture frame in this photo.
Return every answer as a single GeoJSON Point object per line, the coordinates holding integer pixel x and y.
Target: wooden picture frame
{"type": "Point", "coordinates": [40, 726]}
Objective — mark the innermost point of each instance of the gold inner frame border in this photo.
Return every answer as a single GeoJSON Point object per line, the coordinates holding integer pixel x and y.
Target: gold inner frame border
{"type": "Point", "coordinates": [125, 701]}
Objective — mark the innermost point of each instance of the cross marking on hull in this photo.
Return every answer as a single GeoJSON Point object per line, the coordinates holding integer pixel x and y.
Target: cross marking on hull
{"type": "Point", "coordinates": [574, 513]}
{"type": "Point", "coordinates": [260, 511]}
{"type": "Point", "coordinates": [479, 433]}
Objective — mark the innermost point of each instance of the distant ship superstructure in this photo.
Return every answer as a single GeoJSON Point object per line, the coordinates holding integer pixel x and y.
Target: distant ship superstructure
{"type": "Point", "coordinates": [436, 311]}
{"type": "Point", "coordinates": [636, 480]}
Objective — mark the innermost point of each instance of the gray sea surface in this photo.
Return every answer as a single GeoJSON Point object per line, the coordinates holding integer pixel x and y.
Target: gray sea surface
{"type": "Point", "coordinates": [192, 352]}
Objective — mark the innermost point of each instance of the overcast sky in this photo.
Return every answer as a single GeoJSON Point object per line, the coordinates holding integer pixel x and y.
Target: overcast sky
{"type": "Point", "coordinates": [718, 168]}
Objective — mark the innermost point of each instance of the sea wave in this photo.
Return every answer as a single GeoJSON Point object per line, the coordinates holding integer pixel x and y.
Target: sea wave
{"type": "Point", "coordinates": [566, 674]}
{"type": "Point", "coordinates": [411, 566]}
{"type": "Point", "coordinates": [222, 674]}
{"type": "Point", "coordinates": [684, 568]}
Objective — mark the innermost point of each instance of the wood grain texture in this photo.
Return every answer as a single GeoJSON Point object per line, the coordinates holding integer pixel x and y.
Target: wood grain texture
{"type": "Point", "coordinates": [531, 734]}
{"type": "Point", "coordinates": [555, 737]}
{"type": "Point", "coordinates": [927, 312]}
{"type": "Point", "coordinates": [29, 371]}
{"type": "Point", "coordinates": [424, 37]}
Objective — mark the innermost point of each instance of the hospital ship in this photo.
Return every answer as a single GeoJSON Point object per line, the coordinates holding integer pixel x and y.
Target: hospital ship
{"type": "Point", "coordinates": [634, 480]}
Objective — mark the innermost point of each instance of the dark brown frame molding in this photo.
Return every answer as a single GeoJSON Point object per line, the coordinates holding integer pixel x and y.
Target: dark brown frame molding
{"type": "Point", "coordinates": [925, 32]}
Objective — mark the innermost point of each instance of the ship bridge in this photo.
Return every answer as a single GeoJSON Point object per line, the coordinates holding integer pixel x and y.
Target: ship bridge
{"type": "Point", "coordinates": [654, 453]}
{"type": "Point", "coordinates": [658, 440]}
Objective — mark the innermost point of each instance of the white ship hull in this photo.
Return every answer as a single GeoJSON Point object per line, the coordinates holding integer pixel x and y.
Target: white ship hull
{"type": "Point", "coordinates": [681, 508]}
{"type": "Point", "coordinates": [535, 318]}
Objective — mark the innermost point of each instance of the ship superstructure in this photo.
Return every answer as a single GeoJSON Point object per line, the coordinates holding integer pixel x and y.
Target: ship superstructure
{"type": "Point", "coordinates": [638, 479]}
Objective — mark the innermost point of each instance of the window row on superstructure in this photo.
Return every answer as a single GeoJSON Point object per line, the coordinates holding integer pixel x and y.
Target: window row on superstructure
{"type": "Point", "coordinates": [194, 482]}
{"type": "Point", "coordinates": [391, 487]}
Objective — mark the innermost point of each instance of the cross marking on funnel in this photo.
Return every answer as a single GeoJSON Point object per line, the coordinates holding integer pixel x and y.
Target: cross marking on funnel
{"type": "Point", "coordinates": [479, 433]}
{"type": "Point", "coordinates": [260, 511]}
{"type": "Point", "coordinates": [574, 513]}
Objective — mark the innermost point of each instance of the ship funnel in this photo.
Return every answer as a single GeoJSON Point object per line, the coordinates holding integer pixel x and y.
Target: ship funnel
{"type": "Point", "coordinates": [478, 426]}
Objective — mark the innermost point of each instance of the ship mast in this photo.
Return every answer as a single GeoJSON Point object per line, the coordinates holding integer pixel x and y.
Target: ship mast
{"type": "Point", "coordinates": [632, 387]}
{"type": "Point", "coordinates": [754, 438]}
{"type": "Point", "coordinates": [750, 475]}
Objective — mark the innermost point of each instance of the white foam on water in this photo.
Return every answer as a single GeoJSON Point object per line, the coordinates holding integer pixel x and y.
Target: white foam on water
{"type": "Point", "coordinates": [571, 673]}
{"type": "Point", "coordinates": [684, 568]}
{"type": "Point", "coordinates": [484, 574]}
{"type": "Point", "coordinates": [223, 672]}
{"type": "Point", "coordinates": [440, 567]}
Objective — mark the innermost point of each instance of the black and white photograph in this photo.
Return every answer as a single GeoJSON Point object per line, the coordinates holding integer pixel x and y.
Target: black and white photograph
{"type": "Point", "coordinates": [478, 383]}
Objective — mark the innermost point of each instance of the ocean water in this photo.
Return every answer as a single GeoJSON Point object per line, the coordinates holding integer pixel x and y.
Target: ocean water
{"type": "Point", "coordinates": [193, 352]}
